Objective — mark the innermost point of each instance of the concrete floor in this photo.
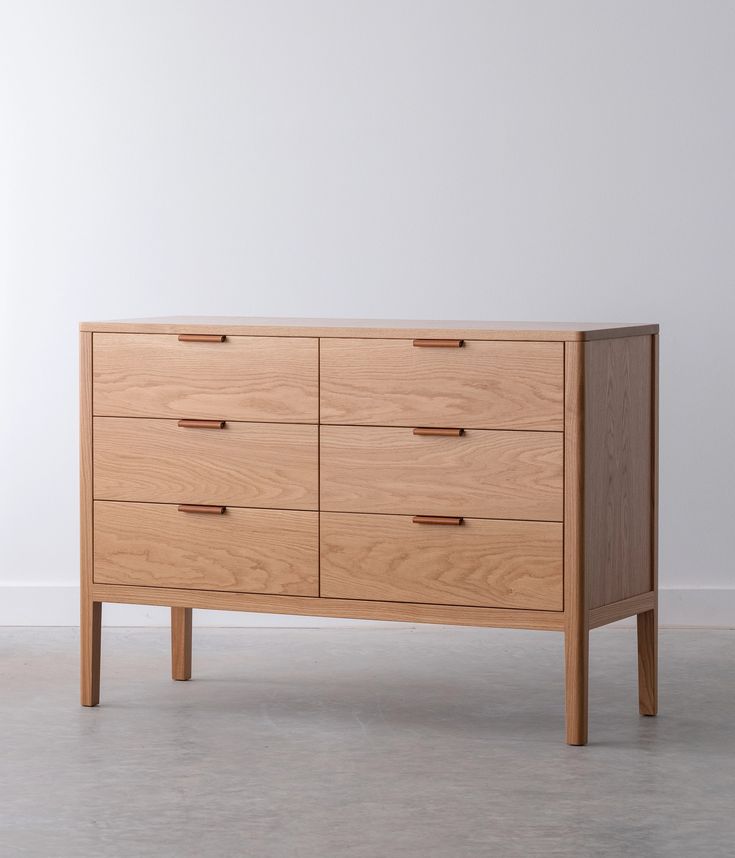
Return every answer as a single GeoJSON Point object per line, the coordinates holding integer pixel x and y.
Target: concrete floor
{"type": "Point", "coordinates": [410, 741]}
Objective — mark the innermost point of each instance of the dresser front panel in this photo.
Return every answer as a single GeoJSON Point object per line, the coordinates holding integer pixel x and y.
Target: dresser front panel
{"type": "Point", "coordinates": [242, 550]}
{"type": "Point", "coordinates": [482, 384]}
{"type": "Point", "coordinates": [504, 564]}
{"type": "Point", "coordinates": [270, 379]}
{"type": "Point", "coordinates": [242, 464]}
{"type": "Point", "coordinates": [480, 474]}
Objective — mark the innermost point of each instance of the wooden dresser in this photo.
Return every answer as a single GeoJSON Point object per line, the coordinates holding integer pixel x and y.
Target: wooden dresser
{"type": "Point", "coordinates": [474, 473]}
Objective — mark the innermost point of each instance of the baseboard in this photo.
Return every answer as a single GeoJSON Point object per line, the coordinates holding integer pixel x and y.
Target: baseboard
{"type": "Point", "coordinates": [53, 605]}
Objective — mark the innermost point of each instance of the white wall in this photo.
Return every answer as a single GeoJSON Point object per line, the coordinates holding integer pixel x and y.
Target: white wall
{"type": "Point", "coordinates": [565, 160]}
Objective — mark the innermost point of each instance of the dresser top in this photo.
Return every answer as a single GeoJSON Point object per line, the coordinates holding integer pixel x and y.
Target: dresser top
{"type": "Point", "coordinates": [381, 328]}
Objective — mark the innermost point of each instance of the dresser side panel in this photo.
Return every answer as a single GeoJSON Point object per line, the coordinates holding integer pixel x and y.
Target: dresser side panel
{"type": "Point", "coordinates": [619, 426]}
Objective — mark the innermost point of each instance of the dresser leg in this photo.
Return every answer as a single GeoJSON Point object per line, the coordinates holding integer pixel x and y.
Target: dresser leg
{"type": "Point", "coordinates": [90, 627]}
{"type": "Point", "coordinates": [648, 663]}
{"type": "Point", "coordinates": [576, 652]}
{"type": "Point", "coordinates": [181, 643]}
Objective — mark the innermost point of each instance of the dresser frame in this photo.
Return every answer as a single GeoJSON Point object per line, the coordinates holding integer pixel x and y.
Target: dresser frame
{"type": "Point", "coordinates": [603, 365]}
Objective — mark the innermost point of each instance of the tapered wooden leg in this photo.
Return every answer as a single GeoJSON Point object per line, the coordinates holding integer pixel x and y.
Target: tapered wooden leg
{"type": "Point", "coordinates": [576, 653]}
{"type": "Point", "coordinates": [648, 663]}
{"type": "Point", "coordinates": [90, 627]}
{"type": "Point", "coordinates": [181, 643]}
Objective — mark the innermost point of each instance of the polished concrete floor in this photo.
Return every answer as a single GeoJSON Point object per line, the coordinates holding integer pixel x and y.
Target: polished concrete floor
{"type": "Point", "coordinates": [407, 741]}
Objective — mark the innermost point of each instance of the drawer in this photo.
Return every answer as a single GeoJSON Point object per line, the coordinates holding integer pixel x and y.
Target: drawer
{"type": "Point", "coordinates": [481, 474]}
{"type": "Point", "coordinates": [482, 385]}
{"type": "Point", "coordinates": [241, 464]}
{"type": "Point", "coordinates": [243, 378]}
{"type": "Point", "coordinates": [503, 564]}
{"type": "Point", "coordinates": [243, 550]}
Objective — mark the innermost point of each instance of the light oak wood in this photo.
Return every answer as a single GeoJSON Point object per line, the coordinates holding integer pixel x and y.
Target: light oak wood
{"type": "Point", "coordinates": [618, 432]}
{"type": "Point", "coordinates": [647, 663]}
{"type": "Point", "coordinates": [403, 612]}
{"type": "Point", "coordinates": [268, 379]}
{"type": "Point", "coordinates": [90, 634]}
{"type": "Point", "coordinates": [485, 385]}
{"type": "Point", "coordinates": [90, 614]}
{"type": "Point", "coordinates": [654, 460]}
{"type": "Point", "coordinates": [503, 564]}
{"type": "Point", "coordinates": [576, 595]}
{"type": "Point", "coordinates": [244, 464]}
{"type": "Point", "coordinates": [181, 643]}
{"type": "Point", "coordinates": [648, 621]}
{"type": "Point", "coordinates": [244, 550]}
{"type": "Point", "coordinates": [538, 442]}
{"type": "Point", "coordinates": [615, 611]}
{"type": "Point", "coordinates": [381, 328]}
{"type": "Point", "coordinates": [483, 474]}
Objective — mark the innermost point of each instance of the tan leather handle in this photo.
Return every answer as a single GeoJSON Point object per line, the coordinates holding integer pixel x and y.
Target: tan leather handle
{"type": "Point", "coordinates": [437, 519]}
{"type": "Point", "coordinates": [192, 507]}
{"type": "Point", "coordinates": [202, 338]}
{"type": "Point", "coordinates": [443, 431]}
{"type": "Point", "coordinates": [439, 344]}
{"type": "Point", "coordinates": [202, 424]}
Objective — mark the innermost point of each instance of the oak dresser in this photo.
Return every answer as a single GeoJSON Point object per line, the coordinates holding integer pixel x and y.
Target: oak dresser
{"type": "Point", "coordinates": [476, 473]}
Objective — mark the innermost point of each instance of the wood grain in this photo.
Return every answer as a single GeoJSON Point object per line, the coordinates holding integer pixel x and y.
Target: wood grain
{"type": "Point", "coordinates": [654, 460]}
{"type": "Point", "coordinates": [181, 620]}
{"type": "Point", "coordinates": [484, 385]}
{"type": "Point", "coordinates": [90, 615]}
{"type": "Point", "coordinates": [348, 608]}
{"type": "Point", "coordinates": [482, 474]}
{"type": "Point", "coordinates": [382, 328]}
{"type": "Point", "coordinates": [503, 564]}
{"type": "Point", "coordinates": [647, 630]}
{"type": "Point", "coordinates": [618, 430]}
{"type": "Point", "coordinates": [244, 378]}
{"type": "Point", "coordinates": [648, 621]}
{"type": "Point", "coordinates": [587, 394]}
{"type": "Point", "coordinates": [244, 464]}
{"type": "Point", "coordinates": [244, 550]}
{"type": "Point", "coordinates": [576, 594]}
{"type": "Point", "coordinates": [615, 611]}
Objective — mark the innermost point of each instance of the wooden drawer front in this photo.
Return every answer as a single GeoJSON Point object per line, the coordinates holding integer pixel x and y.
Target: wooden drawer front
{"type": "Point", "coordinates": [505, 564]}
{"type": "Point", "coordinates": [483, 385]}
{"type": "Point", "coordinates": [243, 378]}
{"type": "Point", "coordinates": [483, 474]}
{"type": "Point", "coordinates": [243, 464]}
{"type": "Point", "coordinates": [243, 550]}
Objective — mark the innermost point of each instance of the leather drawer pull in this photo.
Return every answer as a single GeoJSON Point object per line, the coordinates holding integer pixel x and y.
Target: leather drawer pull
{"type": "Point", "coordinates": [202, 424]}
{"type": "Point", "coordinates": [439, 344]}
{"type": "Point", "coordinates": [212, 510]}
{"type": "Point", "coordinates": [202, 338]}
{"type": "Point", "coordinates": [437, 519]}
{"type": "Point", "coordinates": [447, 433]}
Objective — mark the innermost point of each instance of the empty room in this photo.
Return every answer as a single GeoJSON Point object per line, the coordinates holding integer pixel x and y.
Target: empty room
{"type": "Point", "coordinates": [367, 474]}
